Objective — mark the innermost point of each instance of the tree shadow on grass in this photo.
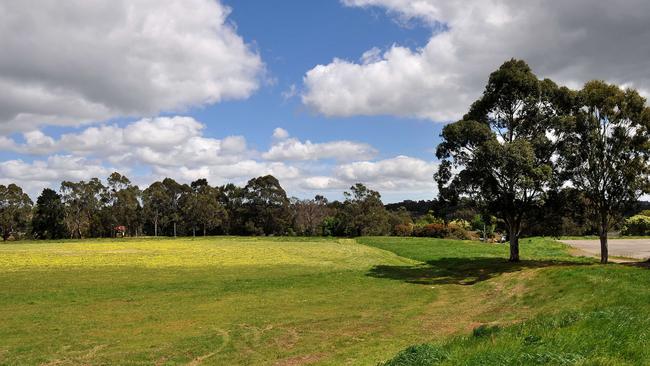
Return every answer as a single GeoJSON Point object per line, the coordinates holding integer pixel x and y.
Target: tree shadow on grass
{"type": "Point", "coordinates": [459, 271]}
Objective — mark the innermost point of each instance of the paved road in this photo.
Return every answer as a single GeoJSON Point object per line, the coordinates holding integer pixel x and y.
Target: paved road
{"type": "Point", "coordinates": [629, 248]}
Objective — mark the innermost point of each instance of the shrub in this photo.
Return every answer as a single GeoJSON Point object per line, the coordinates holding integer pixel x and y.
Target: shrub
{"type": "Point", "coordinates": [431, 231]}
{"type": "Point", "coordinates": [458, 232]}
{"type": "Point", "coordinates": [403, 230]}
{"type": "Point", "coordinates": [636, 225]}
{"type": "Point", "coordinates": [420, 355]}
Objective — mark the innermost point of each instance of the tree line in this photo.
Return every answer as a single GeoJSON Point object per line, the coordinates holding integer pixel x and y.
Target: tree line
{"type": "Point", "coordinates": [96, 209]}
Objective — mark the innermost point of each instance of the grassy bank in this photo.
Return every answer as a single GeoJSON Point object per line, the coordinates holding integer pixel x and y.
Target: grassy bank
{"type": "Point", "coordinates": [582, 314]}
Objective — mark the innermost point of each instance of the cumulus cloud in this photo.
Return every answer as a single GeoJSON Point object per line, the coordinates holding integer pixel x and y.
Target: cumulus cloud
{"type": "Point", "coordinates": [38, 174]}
{"type": "Point", "coordinates": [286, 148]}
{"type": "Point", "coordinates": [470, 39]}
{"type": "Point", "coordinates": [165, 141]}
{"type": "Point", "coordinates": [80, 61]}
{"type": "Point", "coordinates": [394, 174]}
{"type": "Point", "coordinates": [176, 147]}
{"type": "Point", "coordinates": [280, 133]}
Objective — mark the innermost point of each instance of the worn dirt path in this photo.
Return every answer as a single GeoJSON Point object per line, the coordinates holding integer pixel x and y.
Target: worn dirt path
{"type": "Point", "coordinates": [627, 248]}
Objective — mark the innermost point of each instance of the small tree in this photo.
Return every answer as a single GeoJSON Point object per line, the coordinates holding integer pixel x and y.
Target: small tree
{"type": "Point", "coordinates": [500, 152]}
{"type": "Point", "coordinates": [606, 150]}
{"type": "Point", "coordinates": [15, 210]}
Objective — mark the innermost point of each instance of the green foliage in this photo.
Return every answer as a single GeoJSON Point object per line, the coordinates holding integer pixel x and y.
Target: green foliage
{"type": "Point", "coordinates": [638, 225]}
{"type": "Point", "coordinates": [420, 355]}
{"type": "Point", "coordinates": [266, 206]}
{"type": "Point", "coordinates": [15, 211]}
{"type": "Point", "coordinates": [47, 222]}
{"type": "Point", "coordinates": [201, 208]}
{"type": "Point", "coordinates": [502, 148]}
{"type": "Point", "coordinates": [644, 213]}
{"type": "Point", "coordinates": [606, 150]}
{"type": "Point", "coordinates": [362, 213]}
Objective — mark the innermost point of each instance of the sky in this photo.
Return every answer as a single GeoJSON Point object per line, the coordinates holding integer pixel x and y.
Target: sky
{"type": "Point", "coordinates": [322, 94]}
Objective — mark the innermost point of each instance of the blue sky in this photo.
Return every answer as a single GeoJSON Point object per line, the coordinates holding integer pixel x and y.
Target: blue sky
{"type": "Point", "coordinates": [293, 37]}
{"type": "Point", "coordinates": [322, 94]}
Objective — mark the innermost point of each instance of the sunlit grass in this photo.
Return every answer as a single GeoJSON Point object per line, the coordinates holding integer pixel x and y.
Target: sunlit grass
{"type": "Point", "coordinates": [198, 252]}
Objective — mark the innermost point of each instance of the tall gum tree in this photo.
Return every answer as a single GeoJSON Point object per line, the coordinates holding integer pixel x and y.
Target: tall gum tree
{"type": "Point", "coordinates": [501, 153]}
{"type": "Point", "coordinates": [605, 151]}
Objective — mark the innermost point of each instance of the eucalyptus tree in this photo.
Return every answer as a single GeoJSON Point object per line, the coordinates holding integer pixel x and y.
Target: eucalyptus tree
{"type": "Point", "coordinates": [605, 152]}
{"type": "Point", "coordinates": [201, 207]}
{"type": "Point", "coordinates": [154, 199]}
{"type": "Point", "coordinates": [124, 202]}
{"type": "Point", "coordinates": [47, 220]}
{"type": "Point", "coordinates": [267, 209]}
{"type": "Point", "coordinates": [501, 153]}
{"type": "Point", "coordinates": [82, 203]}
{"type": "Point", "coordinates": [15, 210]}
{"type": "Point", "coordinates": [363, 212]}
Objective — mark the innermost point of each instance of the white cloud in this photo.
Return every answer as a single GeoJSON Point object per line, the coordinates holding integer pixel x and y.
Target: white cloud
{"type": "Point", "coordinates": [294, 149]}
{"type": "Point", "coordinates": [87, 61]}
{"type": "Point", "coordinates": [176, 147]}
{"type": "Point", "coordinates": [399, 173]}
{"type": "Point", "coordinates": [164, 141]}
{"type": "Point", "coordinates": [280, 133]}
{"type": "Point", "coordinates": [38, 174]}
{"type": "Point", "coordinates": [472, 38]}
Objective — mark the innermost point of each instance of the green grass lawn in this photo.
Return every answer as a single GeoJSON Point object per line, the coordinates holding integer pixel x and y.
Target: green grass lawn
{"type": "Point", "coordinates": [298, 301]}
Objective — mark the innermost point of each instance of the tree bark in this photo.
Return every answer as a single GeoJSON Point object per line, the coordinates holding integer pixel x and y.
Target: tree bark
{"type": "Point", "coordinates": [155, 227]}
{"type": "Point", "coordinates": [604, 228]}
{"type": "Point", "coordinates": [514, 243]}
{"type": "Point", "coordinates": [203, 229]}
{"type": "Point", "coordinates": [174, 229]}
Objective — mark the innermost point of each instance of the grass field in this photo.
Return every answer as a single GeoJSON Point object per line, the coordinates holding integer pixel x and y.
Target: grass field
{"type": "Point", "coordinates": [297, 301]}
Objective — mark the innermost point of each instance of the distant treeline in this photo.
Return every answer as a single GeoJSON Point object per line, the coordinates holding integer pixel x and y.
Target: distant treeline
{"type": "Point", "coordinates": [95, 209]}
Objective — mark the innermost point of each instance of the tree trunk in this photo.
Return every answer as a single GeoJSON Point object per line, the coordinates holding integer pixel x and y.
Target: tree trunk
{"type": "Point", "coordinates": [155, 227]}
{"type": "Point", "coordinates": [203, 229]}
{"type": "Point", "coordinates": [174, 229]}
{"type": "Point", "coordinates": [604, 228]}
{"type": "Point", "coordinates": [514, 243]}
{"type": "Point", "coordinates": [604, 253]}
{"type": "Point", "coordinates": [194, 231]}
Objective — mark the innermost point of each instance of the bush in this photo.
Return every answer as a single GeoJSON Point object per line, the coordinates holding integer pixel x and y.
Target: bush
{"type": "Point", "coordinates": [451, 231]}
{"type": "Point", "coordinates": [636, 225]}
{"type": "Point", "coordinates": [403, 230]}
{"type": "Point", "coordinates": [431, 231]}
{"type": "Point", "coordinates": [458, 232]}
{"type": "Point", "coordinates": [420, 355]}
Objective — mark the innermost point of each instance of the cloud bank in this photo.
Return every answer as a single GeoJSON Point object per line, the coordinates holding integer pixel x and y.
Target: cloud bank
{"type": "Point", "coordinates": [79, 61]}
{"type": "Point", "coordinates": [570, 42]}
